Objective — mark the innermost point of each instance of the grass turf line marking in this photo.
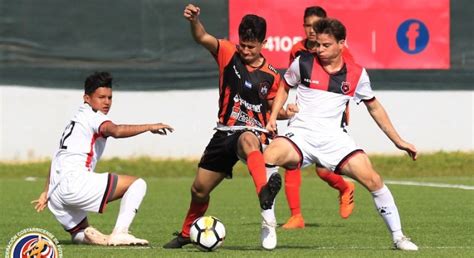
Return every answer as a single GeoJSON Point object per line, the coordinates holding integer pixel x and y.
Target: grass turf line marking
{"type": "Point", "coordinates": [440, 185]}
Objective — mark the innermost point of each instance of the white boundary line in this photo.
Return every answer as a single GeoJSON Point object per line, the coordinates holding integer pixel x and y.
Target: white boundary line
{"type": "Point", "coordinates": [441, 185]}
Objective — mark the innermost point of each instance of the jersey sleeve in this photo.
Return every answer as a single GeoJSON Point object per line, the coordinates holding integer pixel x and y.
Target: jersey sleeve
{"type": "Point", "coordinates": [363, 91]}
{"type": "Point", "coordinates": [224, 53]}
{"type": "Point", "coordinates": [273, 90]}
{"type": "Point", "coordinates": [96, 120]}
{"type": "Point", "coordinates": [292, 75]}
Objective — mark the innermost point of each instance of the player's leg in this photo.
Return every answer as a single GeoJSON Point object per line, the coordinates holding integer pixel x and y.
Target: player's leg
{"type": "Point", "coordinates": [345, 188]}
{"type": "Point", "coordinates": [292, 192]}
{"type": "Point", "coordinates": [131, 190]}
{"type": "Point", "coordinates": [67, 205]}
{"type": "Point", "coordinates": [204, 182]}
{"type": "Point", "coordinates": [358, 167]}
{"type": "Point", "coordinates": [280, 152]}
{"type": "Point", "coordinates": [249, 148]}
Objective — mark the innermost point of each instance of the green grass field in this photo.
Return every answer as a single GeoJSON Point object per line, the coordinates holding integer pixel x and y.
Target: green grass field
{"type": "Point", "coordinates": [439, 220]}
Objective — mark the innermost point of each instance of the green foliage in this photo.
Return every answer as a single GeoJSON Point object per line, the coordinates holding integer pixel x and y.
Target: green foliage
{"type": "Point", "coordinates": [440, 164]}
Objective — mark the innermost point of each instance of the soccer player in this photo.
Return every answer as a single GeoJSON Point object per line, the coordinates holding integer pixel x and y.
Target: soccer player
{"type": "Point", "coordinates": [325, 83]}
{"type": "Point", "coordinates": [293, 177]}
{"type": "Point", "coordinates": [73, 188]}
{"type": "Point", "coordinates": [247, 85]}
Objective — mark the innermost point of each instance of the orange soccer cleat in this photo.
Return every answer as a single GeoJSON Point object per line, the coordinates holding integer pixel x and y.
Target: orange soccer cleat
{"type": "Point", "coordinates": [346, 201]}
{"type": "Point", "coordinates": [294, 222]}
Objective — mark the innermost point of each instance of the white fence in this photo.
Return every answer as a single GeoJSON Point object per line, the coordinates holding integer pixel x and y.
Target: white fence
{"type": "Point", "coordinates": [32, 120]}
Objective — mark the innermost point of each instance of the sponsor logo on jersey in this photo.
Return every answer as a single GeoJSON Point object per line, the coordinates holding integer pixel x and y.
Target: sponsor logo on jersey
{"type": "Point", "coordinates": [33, 242]}
{"type": "Point", "coordinates": [272, 68]}
{"type": "Point", "coordinates": [248, 106]}
{"type": "Point", "coordinates": [311, 81]}
{"type": "Point", "coordinates": [345, 87]}
{"type": "Point", "coordinates": [236, 72]}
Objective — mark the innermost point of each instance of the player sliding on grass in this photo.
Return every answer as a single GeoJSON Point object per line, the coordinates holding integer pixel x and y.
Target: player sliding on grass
{"type": "Point", "coordinates": [293, 177]}
{"type": "Point", "coordinates": [73, 188]}
{"type": "Point", "coordinates": [325, 83]}
{"type": "Point", "coordinates": [247, 85]}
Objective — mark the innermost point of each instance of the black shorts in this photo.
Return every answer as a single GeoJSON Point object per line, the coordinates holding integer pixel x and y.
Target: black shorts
{"type": "Point", "coordinates": [220, 154]}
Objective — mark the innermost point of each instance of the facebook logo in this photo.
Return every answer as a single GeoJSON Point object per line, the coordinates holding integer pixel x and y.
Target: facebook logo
{"type": "Point", "coordinates": [412, 36]}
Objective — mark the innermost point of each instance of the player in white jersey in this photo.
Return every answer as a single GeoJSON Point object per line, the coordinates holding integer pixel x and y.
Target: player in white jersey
{"type": "Point", "coordinates": [325, 83]}
{"type": "Point", "coordinates": [73, 188]}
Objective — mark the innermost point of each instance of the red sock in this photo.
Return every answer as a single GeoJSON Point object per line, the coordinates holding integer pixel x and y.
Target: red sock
{"type": "Point", "coordinates": [334, 180]}
{"type": "Point", "coordinates": [256, 165]}
{"type": "Point", "coordinates": [195, 211]}
{"type": "Point", "coordinates": [292, 190]}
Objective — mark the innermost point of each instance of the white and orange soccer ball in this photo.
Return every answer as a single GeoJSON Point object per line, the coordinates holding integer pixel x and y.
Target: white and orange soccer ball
{"type": "Point", "coordinates": [207, 233]}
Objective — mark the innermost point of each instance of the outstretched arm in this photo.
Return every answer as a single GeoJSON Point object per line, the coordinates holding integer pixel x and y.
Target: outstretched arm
{"type": "Point", "coordinates": [380, 116]}
{"type": "Point", "coordinates": [123, 131]}
{"type": "Point", "coordinates": [191, 13]}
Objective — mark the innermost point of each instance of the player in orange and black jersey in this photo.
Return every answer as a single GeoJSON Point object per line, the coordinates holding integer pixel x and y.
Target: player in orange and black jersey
{"type": "Point", "coordinates": [293, 177]}
{"type": "Point", "coordinates": [247, 86]}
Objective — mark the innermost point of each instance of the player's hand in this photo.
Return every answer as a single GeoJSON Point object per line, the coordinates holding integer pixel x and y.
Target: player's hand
{"type": "Point", "coordinates": [41, 202]}
{"type": "Point", "coordinates": [161, 129]}
{"type": "Point", "coordinates": [409, 148]}
{"type": "Point", "coordinates": [272, 126]}
{"type": "Point", "coordinates": [191, 12]}
{"type": "Point", "coordinates": [291, 110]}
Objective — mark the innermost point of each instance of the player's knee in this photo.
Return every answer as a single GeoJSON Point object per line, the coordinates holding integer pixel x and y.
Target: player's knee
{"type": "Point", "coordinates": [374, 182]}
{"type": "Point", "coordinates": [198, 193]}
{"type": "Point", "coordinates": [249, 141]}
{"type": "Point", "coordinates": [141, 184]}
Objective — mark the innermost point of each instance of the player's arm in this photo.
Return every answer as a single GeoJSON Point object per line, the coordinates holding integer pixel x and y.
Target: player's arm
{"type": "Point", "coordinates": [191, 13]}
{"type": "Point", "coordinates": [277, 105]}
{"type": "Point", "coordinates": [380, 116]}
{"type": "Point", "coordinates": [108, 128]}
{"type": "Point", "coordinates": [289, 112]}
{"type": "Point", "coordinates": [42, 200]}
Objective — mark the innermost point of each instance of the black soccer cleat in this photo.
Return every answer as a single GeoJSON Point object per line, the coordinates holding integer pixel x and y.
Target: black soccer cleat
{"type": "Point", "coordinates": [178, 242]}
{"type": "Point", "coordinates": [269, 191]}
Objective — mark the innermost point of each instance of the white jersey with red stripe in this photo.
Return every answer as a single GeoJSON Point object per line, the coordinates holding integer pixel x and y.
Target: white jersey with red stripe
{"type": "Point", "coordinates": [322, 97]}
{"type": "Point", "coordinates": [81, 143]}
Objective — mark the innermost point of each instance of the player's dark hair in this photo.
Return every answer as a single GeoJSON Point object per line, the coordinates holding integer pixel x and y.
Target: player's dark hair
{"type": "Point", "coordinates": [96, 80]}
{"type": "Point", "coordinates": [315, 11]}
{"type": "Point", "coordinates": [252, 27]}
{"type": "Point", "coordinates": [331, 27]}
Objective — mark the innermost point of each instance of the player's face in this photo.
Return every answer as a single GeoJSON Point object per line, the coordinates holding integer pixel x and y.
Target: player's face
{"type": "Point", "coordinates": [308, 27]}
{"type": "Point", "coordinates": [327, 47]}
{"type": "Point", "coordinates": [249, 51]}
{"type": "Point", "coordinates": [100, 99]}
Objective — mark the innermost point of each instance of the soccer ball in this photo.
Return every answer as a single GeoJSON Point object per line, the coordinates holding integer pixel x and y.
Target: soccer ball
{"type": "Point", "coordinates": [207, 233]}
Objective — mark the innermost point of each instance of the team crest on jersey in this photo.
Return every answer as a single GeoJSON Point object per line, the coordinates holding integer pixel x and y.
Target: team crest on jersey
{"type": "Point", "coordinates": [33, 242]}
{"type": "Point", "coordinates": [263, 89]}
{"type": "Point", "coordinates": [345, 87]}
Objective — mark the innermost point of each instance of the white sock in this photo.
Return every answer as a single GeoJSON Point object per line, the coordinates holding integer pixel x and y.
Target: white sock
{"type": "Point", "coordinates": [129, 204]}
{"type": "Point", "coordinates": [269, 215]}
{"type": "Point", "coordinates": [78, 237]}
{"type": "Point", "coordinates": [385, 205]}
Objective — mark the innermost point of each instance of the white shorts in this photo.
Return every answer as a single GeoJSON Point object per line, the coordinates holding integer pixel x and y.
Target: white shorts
{"type": "Point", "coordinates": [80, 192]}
{"type": "Point", "coordinates": [325, 150]}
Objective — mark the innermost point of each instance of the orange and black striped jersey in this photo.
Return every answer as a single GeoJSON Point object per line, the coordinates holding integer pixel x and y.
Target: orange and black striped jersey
{"type": "Point", "coordinates": [244, 92]}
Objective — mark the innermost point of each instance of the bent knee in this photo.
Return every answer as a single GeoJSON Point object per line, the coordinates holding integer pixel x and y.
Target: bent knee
{"type": "Point", "coordinates": [140, 183]}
